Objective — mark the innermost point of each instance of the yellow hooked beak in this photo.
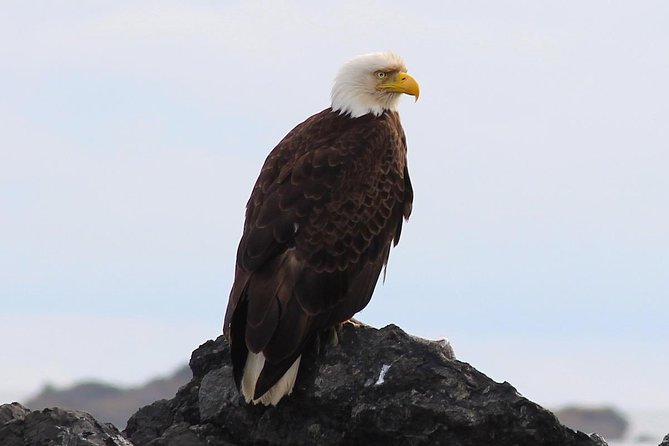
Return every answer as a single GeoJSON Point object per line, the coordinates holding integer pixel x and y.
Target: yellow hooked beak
{"type": "Point", "coordinates": [401, 83]}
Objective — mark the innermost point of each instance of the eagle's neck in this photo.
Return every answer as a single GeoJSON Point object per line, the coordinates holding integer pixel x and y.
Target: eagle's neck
{"type": "Point", "coordinates": [355, 99]}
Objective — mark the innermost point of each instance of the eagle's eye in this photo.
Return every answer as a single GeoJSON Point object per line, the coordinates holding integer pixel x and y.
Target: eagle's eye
{"type": "Point", "coordinates": [380, 74]}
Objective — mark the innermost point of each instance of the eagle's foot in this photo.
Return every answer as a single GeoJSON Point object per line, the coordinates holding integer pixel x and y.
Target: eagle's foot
{"type": "Point", "coordinates": [330, 336]}
{"type": "Point", "coordinates": [336, 330]}
{"type": "Point", "coordinates": [356, 323]}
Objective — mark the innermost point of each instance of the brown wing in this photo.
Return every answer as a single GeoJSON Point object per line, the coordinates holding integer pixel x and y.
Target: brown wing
{"type": "Point", "coordinates": [328, 203]}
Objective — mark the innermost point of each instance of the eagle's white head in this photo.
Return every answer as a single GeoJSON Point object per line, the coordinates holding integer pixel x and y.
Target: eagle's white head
{"type": "Point", "coordinates": [372, 83]}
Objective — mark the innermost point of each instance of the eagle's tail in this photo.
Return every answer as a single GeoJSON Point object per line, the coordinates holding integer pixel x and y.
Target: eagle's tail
{"type": "Point", "coordinates": [284, 386]}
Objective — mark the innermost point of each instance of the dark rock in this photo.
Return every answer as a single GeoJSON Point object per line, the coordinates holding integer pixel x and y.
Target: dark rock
{"type": "Point", "coordinates": [606, 421]}
{"type": "Point", "coordinates": [665, 441]}
{"type": "Point", "coordinates": [11, 412]}
{"type": "Point", "coordinates": [373, 387]}
{"type": "Point", "coordinates": [50, 427]}
{"type": "Point", "coordinates": [598, 439]}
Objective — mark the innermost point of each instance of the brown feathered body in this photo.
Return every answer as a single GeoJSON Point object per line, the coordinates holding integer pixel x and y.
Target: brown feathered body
{"type": "Point", "coordinates": [324, 212]}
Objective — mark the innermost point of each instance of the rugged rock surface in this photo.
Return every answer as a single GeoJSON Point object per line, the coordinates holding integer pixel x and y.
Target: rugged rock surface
{"type": "Point", "coordinates": [665, 441]}
{"type": "Point", "coordinates": [374, 387]}
{"type": "Point", "coordinates": [51, 427]}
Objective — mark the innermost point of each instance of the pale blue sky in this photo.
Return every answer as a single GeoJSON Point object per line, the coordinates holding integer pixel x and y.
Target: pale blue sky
{"type": "Point", "coordinates": [132, 132]}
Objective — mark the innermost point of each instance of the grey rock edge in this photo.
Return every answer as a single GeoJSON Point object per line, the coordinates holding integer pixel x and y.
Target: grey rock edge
{"type": "Point", "coordinates": [374, 387]}
{"type": "Point", "coordinates": [50, 427]}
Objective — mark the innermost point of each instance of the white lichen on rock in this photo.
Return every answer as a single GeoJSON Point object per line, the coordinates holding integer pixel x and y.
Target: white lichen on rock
{"type": "Point", "coordinates": [382, 374]}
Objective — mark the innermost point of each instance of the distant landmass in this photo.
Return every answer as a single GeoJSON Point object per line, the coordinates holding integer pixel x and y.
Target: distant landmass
{"type": "Point", "coordinates": [107, 402]}
{"type": "Point", "coordinates": [606, 421]}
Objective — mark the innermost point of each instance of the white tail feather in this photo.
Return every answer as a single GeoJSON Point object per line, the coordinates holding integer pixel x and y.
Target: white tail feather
{"type": "Point", "coordinates": [254, 364]}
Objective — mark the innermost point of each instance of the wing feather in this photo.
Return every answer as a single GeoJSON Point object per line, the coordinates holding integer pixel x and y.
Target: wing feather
{"type": "Point", "coordinates": [327, 205]}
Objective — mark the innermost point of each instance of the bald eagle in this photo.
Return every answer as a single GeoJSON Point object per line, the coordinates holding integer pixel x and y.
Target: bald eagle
{"type": "Point", "coordinates": [320, 222]}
